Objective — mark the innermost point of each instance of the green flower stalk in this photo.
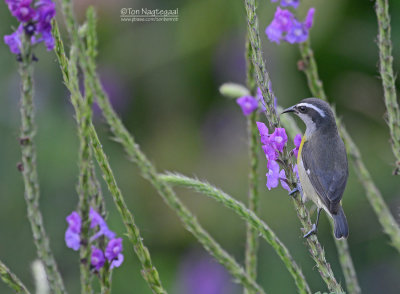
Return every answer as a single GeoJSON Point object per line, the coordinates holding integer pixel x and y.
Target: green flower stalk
{"type": "Point", "coordinates": [29, 170]}
{"type": "Point", "coordinates": [149, 272]}
{"type": "Point", "coordinates": [374, 196]}
{"type": "Point", "coordinates": [250, 217]}
{"type": "Point", "coordinates": [387, 76]}
{"type": "Point", "coordinates": [252, 133]}
{"type": "Point", "coordinates": [262, 77]}
{"type": "Point", "coordinates": [12, 280]}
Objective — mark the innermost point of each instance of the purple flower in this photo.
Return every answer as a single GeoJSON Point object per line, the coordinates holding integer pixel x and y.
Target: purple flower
{"type": "Point", "coordinates": [97, 258]}
{"type": "Point", "coordinates": [273, 174]}
{"type": "Point", "coordinates": [293, 3]}
{"type": "Point", "coordinates": [72, 234]}
{"type": "Point", "coordinates": [114, 247]}
{"type": "Point", "coordinates": [309, 18]}
{"type": "Point", "coordinates": [248, 104]}
{"type": "Point", "coordinates": [281, 23]}
{"type": "Point", "coordinates": [14, 40]}
{"type": "Point", "coordinates": [114, 252]}
{"type": "Point", "coordinates": [74, 222]}
{"type": "Point", "coordinates": [263, 130]}
{"type": "Point", "coordinates": [97, 220]}
{"type": "Point", "coordinates": [282, 178]}
{"type": "Point", "coordinates": [298, 33]}
{"type": "Point", "coordinates": [21, 9]}
{"type": "Point", "coordinates": [278, 138]}
{"type": "Point", "coordinates": [270, 152]}
{"type": "Point", "coordinates": [286, 27]}
{"type": "Point", "coordinates": [72, 239]}
{"type": "Point", "coordinates": [297, 142]}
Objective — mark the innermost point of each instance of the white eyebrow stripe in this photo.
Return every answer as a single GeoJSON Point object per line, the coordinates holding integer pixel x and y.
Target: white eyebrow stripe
{"type": "Point", "coordinates": [319, 110]}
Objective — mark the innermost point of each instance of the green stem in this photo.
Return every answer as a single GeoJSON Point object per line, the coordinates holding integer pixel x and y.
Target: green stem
{"type": "Point", "coordinates": [29, 170]}
{"type": "Point", "coordinates": [253, 198]}
{"type": "Point", "coordinates": [250, 217]}
{"type": "Point", "coordinates": [387, 76]}
{"type": "Point", "coordinates": [12, 280]}
{"type": "Point", "coordinates": [149, 272]}
{"type": "Point", "coordinates": [316, 250]}
{"type": "Point", "coordinates": [374, 196]}
{"type": "Point", "coordinates": [83, 118]}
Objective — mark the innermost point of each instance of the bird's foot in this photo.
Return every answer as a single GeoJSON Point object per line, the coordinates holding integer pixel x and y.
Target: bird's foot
{"type": "Point", "coordinates": [313, 231]}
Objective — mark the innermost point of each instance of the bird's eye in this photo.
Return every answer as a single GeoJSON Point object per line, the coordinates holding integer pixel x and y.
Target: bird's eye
{"type": "Point", "coordinates": [302, 109]}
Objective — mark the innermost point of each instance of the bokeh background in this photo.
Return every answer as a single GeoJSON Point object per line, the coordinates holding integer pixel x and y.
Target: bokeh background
{"type": "Point", "coordinates": [163, 80]}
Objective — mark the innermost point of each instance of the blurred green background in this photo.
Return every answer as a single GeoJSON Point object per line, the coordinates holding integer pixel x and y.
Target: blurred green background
{"type": "Point", "coordinates": [163, 80]}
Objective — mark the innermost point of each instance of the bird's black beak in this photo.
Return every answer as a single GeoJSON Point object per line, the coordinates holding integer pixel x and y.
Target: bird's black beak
{"type": "Point", "coordinates": [290, 109]}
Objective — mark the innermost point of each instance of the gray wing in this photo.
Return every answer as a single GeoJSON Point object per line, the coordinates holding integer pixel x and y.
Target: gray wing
{"type": "Point", "coordinates": [328, 169]}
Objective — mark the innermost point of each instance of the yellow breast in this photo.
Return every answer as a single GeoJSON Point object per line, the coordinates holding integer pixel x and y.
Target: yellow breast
{"type": "Point", "coordinates": [303, 140]}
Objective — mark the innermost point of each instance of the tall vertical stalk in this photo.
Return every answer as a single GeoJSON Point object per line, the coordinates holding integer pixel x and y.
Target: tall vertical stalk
{"type": "Point", "coordinates": [29, 170]}
{"type": "Point", "coordinates": [252, 133]}
{"type": "Point", "coordinates": [374, 196]}
{"type": "Point", "coordinates": [262, 77]}
{"type": "Point", "coordinates": [387, 76]}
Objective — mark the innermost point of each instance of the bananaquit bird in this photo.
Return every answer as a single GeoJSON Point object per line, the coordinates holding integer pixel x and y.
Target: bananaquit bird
{"type": "Point", "coordinates": [322, 162]}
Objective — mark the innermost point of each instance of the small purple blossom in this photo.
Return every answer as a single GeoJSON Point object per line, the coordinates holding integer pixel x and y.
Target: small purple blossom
{"type": "Point", "coordinates": [281, 23]}
{"type": "Point", "coordinates": [72, 240]}
{"type": "Point", "coordinates": [273, 174]}
{"type": "Point", "coordinates": [114, 247]}
{"type": "Point", "coordinates": [114, 252]}
{"type": "Point", "coordinates": [270, 152]}
{"type": "Point", "coordinates": [297, 142]}
{"type": "Point", "coordinates": [97, 220]}
{"type": "Point", "coordinates": [278, 138]}
{"type": "Point", "coordinates": [74, 222]}
{"type": "Point", "coordinates": [97, 258]}
{"type": "Point", "coordinates": [248, 104]}
{"type": "Point", "coordinates": [298, 33]}
{"type": "Point", "coordinates": [282, 178]}
{"type": "Point", "coordinates": [21, 10]}
{"type": "Point", "coordinates": [72, 234]}
{"type": "Point", "coordinates": [286, 27]}
{"type": "Point", "coordinates": [14, 40]}
{"type": "Point", "coordinates": [309, 18]}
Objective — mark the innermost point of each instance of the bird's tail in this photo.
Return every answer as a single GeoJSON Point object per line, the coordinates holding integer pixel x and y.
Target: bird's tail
{"type": "Point", "coordinates": [341, 227]}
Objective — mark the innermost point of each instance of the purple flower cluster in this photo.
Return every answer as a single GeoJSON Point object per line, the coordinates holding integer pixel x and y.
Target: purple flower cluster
{"type": "Point", "coordinates": [285, 26]}
{"type": "Point", "coordinates": [35, 21]}
{"type": "Point", "coordinates": [113, 252]}
{"type": "Point", "coordinates": [272, 145]}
